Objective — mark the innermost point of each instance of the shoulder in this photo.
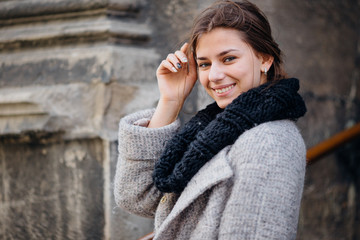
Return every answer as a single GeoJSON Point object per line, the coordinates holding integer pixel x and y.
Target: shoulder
{"type": "Point", "coordinates": [284, 129]}
{"type": "Point", "coordinates": [276, 142]}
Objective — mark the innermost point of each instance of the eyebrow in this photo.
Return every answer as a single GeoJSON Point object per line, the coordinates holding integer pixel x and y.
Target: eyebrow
{"type": "Point", "coordinates": [220, 54]}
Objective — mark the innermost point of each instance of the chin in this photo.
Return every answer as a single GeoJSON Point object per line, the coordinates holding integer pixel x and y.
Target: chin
{"type": "Point", "coordinates": [222, 104]}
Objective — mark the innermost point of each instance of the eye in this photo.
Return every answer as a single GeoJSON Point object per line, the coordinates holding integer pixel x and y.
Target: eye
{"type": "Point", "coordinates": [229, 59]}
{"type": "Point", "coordinates": [203, 65]}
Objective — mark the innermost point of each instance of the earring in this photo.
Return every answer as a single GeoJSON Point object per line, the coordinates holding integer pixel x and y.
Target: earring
{"type": "Point", "coordinates": [265, 71]}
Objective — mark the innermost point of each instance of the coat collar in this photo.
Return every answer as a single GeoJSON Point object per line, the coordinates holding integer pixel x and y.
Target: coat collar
{"type": "Point", "coordinates": [212, 173]}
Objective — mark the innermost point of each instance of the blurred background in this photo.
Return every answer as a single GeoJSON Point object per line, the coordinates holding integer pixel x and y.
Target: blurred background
{"type": "Point", "coordinates": [70, 69]}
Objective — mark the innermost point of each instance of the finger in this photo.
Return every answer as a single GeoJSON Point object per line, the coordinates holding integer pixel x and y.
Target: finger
{"type": "Point", "coordinates": [192, 61]}
{"type": "Point", "coordinates": [184, 47]}
{"type": "Point", "coordinates": [172, 58]}
{"type": "Point", "coordinates": [192, 67]}
{"type": "Point", "coordinates": [167, 65]}
{"type": "Point", "coordinates": [182, 56]}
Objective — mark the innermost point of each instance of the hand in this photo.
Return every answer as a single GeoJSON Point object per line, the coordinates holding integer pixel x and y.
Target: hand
{"type": "Point", "coordinates": [176, 76]}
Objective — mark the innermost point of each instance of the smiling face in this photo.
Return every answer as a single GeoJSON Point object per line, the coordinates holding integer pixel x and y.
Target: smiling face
{"type": "Point", "coordinates": [228, 66]}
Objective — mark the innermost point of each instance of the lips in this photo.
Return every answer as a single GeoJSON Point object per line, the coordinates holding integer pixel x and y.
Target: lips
{"type": "Point", "coordinates": [224, 89]}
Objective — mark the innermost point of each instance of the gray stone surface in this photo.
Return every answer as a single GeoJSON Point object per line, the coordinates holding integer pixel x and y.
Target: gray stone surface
{"type": "Point", "coordinates": [90, 64]}
{"type": "Point", "coordinates": [68, 72]}
{"type": "Point", "coordinates": [45, 189]}
{"type": "Point", "coordinates": [12, 10]}
{"type": "Point", "coordinates": [332, 188]}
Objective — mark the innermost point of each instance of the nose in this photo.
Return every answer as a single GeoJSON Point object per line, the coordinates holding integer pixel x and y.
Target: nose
{"type": "Point", "coordinates": [216, 73]}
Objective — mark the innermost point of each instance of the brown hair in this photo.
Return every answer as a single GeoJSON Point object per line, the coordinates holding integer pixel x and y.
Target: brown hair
{"type": "Point", "coordinates": [250, 21]}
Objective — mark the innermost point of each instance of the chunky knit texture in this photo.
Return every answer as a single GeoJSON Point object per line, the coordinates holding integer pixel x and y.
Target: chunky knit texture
{"type": "Point", "coordinates": [212, 129]}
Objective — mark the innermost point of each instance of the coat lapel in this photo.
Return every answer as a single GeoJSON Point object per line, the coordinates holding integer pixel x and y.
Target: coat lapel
{"type": "Point", "coordinates": [212, 173]}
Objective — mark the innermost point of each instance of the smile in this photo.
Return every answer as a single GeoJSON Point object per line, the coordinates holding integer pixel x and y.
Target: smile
{"type": "Point", "coordinates": [222, 90]}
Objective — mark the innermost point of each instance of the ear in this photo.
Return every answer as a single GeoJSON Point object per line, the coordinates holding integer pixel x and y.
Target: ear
{"type": "Point", "coordinates": [266, 62]}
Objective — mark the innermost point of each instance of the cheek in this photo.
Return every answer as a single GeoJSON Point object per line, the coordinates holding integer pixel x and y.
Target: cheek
{"type": "Point", "coordinates": [203, 79]}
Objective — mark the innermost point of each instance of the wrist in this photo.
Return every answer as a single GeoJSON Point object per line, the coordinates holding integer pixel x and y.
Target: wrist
{"type": "Point", "coordinates": [166, 113]}
{"type": "Point", "coordinates": [174, 105]}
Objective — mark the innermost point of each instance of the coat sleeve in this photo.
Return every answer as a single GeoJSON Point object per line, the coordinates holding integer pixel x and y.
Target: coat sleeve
{"type": "Point", "coordinates": [138, 149]}
{"type": "Point", "coordinates": [269, 176]}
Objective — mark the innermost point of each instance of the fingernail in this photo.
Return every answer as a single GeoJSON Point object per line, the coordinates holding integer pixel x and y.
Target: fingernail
{"type": "Point", "coordinates": [174, 69]}
{"type": "Point", "coordinates": [184, 60]}
{"type": "Point", "coordinates": [178, 65]}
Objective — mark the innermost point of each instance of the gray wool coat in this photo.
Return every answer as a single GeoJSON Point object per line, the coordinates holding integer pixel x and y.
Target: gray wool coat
{"type": "Point", "coordinates": [249, 190]}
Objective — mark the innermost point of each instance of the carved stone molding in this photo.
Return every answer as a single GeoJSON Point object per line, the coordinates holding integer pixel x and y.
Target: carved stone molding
{"type": "Point", "coordinates": [73, 66]}
{"type": "Point", "coordinates": [35, 8]}
{"type": "Point", "coordinates": [79, 31]}
{"type": "Point", "coordinates": [49, 109]}
{"type": "Point", "coordinates": [100, 63]}
{"type": "Point", "coordinates": [76, 110]}
{"type": "Point", "coordinates": [33, 24]}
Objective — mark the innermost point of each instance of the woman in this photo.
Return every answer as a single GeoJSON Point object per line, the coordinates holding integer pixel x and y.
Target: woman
{"type": "Point", "coordinates": [235, 170]}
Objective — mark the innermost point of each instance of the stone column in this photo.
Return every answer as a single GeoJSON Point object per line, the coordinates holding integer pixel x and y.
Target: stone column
{"type": "Point", "coordinates": [69, 70]}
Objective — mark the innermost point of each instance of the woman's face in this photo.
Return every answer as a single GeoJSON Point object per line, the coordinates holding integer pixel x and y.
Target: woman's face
{"type": "Point", "coordinates": [227, 65]}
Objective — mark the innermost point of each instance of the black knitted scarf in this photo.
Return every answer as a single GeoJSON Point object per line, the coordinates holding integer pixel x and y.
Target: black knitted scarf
{"type": "Point", "coordinates": [213, 128]}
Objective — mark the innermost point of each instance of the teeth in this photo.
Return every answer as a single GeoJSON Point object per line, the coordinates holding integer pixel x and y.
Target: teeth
{"type": "Point", "coordinates": [222, 90]}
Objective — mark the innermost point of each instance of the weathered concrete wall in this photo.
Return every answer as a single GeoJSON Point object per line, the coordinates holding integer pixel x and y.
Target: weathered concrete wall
{"type": "Point", "coordinates": [69, 70]}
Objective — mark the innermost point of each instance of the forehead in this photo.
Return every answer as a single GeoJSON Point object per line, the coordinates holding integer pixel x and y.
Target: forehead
{"type": "Point", "coordinates": [220, 39]}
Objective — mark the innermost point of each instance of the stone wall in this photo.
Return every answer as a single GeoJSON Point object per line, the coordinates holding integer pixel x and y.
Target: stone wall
{"type": "Point", "coordinates": [69, 70]}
